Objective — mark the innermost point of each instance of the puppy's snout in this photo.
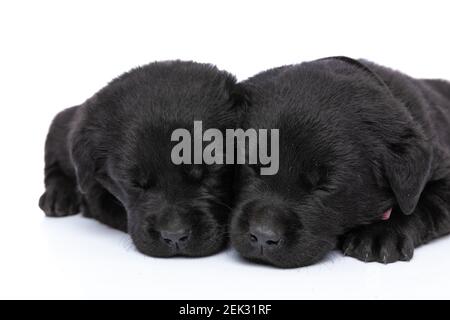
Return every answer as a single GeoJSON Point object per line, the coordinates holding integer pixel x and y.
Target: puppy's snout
{"type": "Point", "coordinates": [175, 237]}
{"type": "Point", "coordinates": [265, 236]}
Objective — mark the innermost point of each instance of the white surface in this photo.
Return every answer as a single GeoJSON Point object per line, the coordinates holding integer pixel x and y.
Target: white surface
{"type": "Point", "coordinates": [56, 54]}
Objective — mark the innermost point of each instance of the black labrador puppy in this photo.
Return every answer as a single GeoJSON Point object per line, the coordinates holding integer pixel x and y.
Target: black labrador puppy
{"type": "Point", "coordinates": [110, 157]}
{"type": "Point", "coordinates": [364, 164]}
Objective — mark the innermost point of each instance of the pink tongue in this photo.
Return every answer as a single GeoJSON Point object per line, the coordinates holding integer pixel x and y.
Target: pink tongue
{"type": "Point", "coordinates": [387, 214]}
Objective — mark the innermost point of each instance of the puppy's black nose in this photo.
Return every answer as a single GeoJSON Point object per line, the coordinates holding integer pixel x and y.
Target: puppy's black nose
{"type": "Point", "coordinates": [265, 236]}
{"type": "Point", "coordinates": [175, 237]}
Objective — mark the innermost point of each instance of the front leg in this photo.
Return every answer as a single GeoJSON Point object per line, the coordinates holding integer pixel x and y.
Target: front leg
{"type": "Point", "coordinates": [384, 241]}
{"type": "Point", "coordinates": [61, 197]}
{"type": "Point", "coordinates": [395, 239]}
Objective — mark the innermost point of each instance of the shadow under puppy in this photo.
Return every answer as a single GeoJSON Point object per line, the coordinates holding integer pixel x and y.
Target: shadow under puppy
{"type": "Point", "coordinates": [364, 164]}
{"type": "Point", "coordinates": [110, 157]}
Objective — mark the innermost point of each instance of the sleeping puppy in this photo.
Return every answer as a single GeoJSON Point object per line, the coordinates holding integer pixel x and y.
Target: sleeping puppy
{"type": "Point", "coordinates": [110, 157]}
{"type": "Point", "coordinates": [364, 164]}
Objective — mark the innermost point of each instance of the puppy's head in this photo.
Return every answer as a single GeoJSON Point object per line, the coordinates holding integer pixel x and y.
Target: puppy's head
{"type": "Point", "coordinates": [122, 141]}
{"type": "Point", "coordinates": [347, 153]}
{"type": "Point", "coordinates": [172, 209]}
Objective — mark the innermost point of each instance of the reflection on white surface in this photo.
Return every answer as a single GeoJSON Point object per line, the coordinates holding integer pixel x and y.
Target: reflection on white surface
{"type": "Point", "coordinates": [80, 258]}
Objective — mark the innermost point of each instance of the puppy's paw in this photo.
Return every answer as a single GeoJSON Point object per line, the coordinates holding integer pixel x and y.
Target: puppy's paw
{"type": "Point", "coordinates": [379, 242]}
{"type": "Point", "coordinates": [60, 200]}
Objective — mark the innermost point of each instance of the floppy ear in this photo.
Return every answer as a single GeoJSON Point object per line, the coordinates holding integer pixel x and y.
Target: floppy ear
{"type": "Point", "coordinates": [408, 156]}
{"type": "Point", "coordinates": [407, 167]}
{"type": "Point", "coordinates": [82, 155]}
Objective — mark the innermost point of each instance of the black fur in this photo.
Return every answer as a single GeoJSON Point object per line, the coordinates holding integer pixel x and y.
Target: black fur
{"type": "Point", "coordinates": [110, 158]}
{"type": "Point", "coordinates": [355, 140]}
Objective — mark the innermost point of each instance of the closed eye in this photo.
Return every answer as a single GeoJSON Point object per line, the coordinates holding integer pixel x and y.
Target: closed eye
{"type": "Point", "coordinates": [306, 182]}
{"type": "Point", "coordinates": [194, 173]}
{"type": "Point", "coordinates": [143, 184]}
{"type": "Point", "coordinates": [315, 179]}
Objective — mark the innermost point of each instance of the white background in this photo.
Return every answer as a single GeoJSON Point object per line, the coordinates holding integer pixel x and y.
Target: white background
{"type": "Point", "coordinates": [55, 54]}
